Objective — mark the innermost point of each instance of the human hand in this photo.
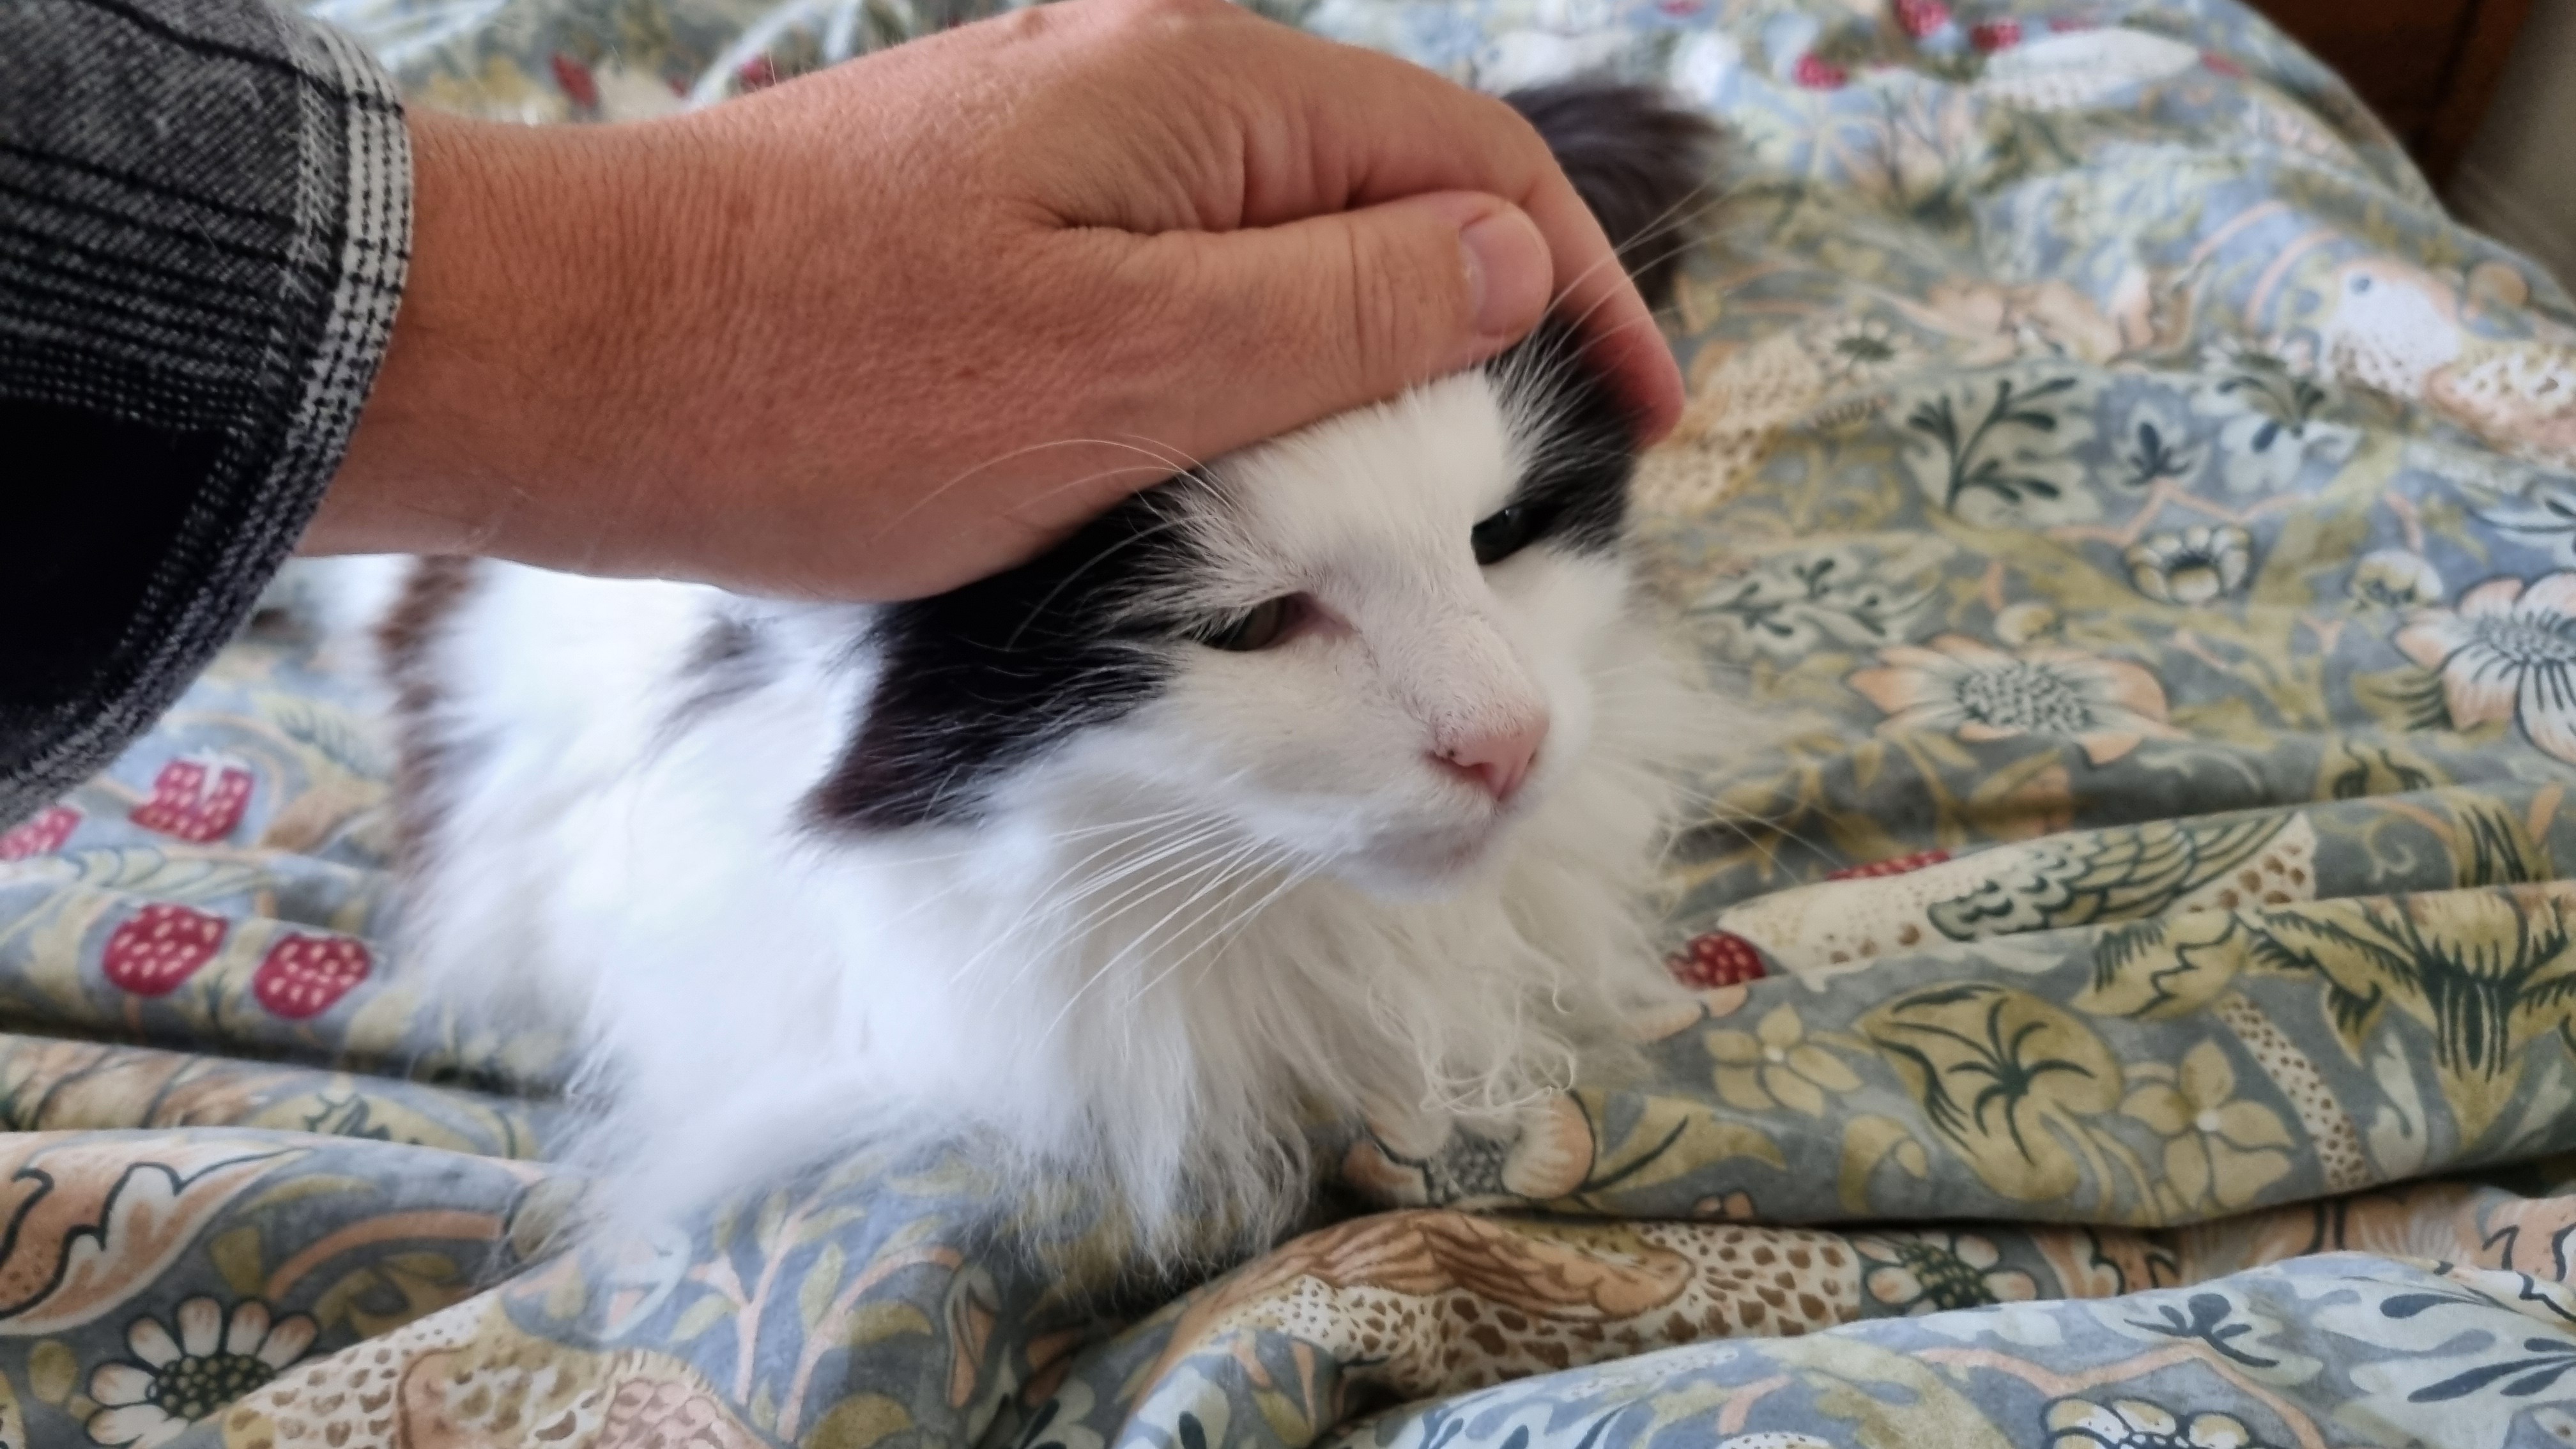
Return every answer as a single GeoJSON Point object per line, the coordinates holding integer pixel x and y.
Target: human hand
{"type": "Point", "coordinates": [881, 330]}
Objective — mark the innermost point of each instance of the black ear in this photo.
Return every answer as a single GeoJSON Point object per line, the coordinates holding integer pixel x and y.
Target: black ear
{"type": "Point", "coordinates": [1635, 159]}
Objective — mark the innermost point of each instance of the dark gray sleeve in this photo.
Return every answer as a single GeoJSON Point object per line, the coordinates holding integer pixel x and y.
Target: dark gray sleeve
{"type": "Point", "coordinates": [205, 211]}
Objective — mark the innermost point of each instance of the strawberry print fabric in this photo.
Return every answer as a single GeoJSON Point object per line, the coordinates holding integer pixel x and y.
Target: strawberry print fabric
{"type": "Point", "coordinates": [2134, 1004]}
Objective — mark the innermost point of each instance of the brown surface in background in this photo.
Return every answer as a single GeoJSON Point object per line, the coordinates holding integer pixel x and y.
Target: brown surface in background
{"type": "Point", "coordinates": [2428, 67]}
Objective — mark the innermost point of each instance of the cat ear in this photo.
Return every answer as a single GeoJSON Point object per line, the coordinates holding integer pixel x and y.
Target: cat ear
{"type": "Point", "coordinates": [1640, 162]}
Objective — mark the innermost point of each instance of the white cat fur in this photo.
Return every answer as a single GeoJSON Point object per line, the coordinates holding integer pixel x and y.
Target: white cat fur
{"type": "Point", "coordinates": [1170, 943]}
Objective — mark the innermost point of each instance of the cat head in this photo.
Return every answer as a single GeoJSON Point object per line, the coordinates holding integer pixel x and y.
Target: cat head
{"type": "Point", "coordinates": [1370, 647]}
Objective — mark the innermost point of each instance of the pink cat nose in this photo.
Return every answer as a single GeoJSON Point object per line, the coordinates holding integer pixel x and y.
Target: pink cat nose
{"type": "Point", "coordinates": [1498, 759]}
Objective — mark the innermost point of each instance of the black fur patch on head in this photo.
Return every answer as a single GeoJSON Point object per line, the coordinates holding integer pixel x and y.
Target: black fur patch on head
{"type": "Point", "coordinates": [1635, 159]}
{"type": "Point", "coordinates": [726, 664]}
{"type": "Point", "coordinates": [979, 680]}
{"type": "Point", "coordinates": [1581, 437]}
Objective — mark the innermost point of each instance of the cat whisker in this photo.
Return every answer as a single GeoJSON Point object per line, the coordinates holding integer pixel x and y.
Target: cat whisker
{"type": "Point", "coordinates": [1178, 458]}
{"type": "Point", "coordinates": [1046, 895]}
{"type": "Point", "coordinates": [1154, 475]}
{"type": "Point", "coordinates": [1166, 863]}
{"type": "Point", "coordinates": [1126, 830]}
{"type": "Point", "coordinates": [1671, 220]}
{"type": "Point", "coordinates": [1249, 874]}
{"type": "Point", "coordinates": [1060, 837]}
{"type": "Point", "coordinates": [1101, 973]}
{"type": "Point", "coordinates": [1746, 832]}
{"type": "Point", "coordinates": [1292, 876]}
{"type": "Point", "coordinates": [1141, 886]}
{"type": "Point", "coordinates": [1085, 567]}
{"type": "Point", "coordinates": [935, 494]}
{"type": "Point", "coordinates": [1240, 857]}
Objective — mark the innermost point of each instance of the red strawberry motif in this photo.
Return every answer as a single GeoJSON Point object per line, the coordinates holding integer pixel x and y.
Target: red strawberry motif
{"type": "Point", "coordinates": [304, 975]}
{"type": "Point", "coordinates": [2222, 65]}
{"type": "Point", "coordinates": [1994, 35]}
{"type": "Point", "coordinates": [196, 800]}
{"type": "Point", "coordinates": [157, 951]}
{"type": "Point", "coordinates": [573, 78]}
{"type": "Point", "coordinates": [757, 73]}
{"type": "Point", "coordinates": [1899, 865]}
{"type": "Point", "coordinates": [1922, 17]}
{"type": "Point", "coordinates": [1819, 75]}
{"type": "Point", "coordinates": [41, 836]}
{"type": "Point", "coordinates": [1717, 958]}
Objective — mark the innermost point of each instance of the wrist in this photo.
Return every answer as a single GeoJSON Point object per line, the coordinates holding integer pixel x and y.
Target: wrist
{"type": "Point", "coordinates": [515, 351]}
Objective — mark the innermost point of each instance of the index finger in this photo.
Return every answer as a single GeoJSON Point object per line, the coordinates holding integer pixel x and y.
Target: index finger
{"type": "Point", "coordinates": [1396, 130]}
{"type": "Point", "coordinates": [1326, 127]}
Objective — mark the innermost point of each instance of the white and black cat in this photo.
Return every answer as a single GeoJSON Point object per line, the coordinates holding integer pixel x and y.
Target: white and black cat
{"type": "Point", "coordinates": [1327, 778]}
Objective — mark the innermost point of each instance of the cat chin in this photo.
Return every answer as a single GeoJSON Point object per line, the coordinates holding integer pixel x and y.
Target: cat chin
{"type": "Point", "coordinates": [1428, 866]}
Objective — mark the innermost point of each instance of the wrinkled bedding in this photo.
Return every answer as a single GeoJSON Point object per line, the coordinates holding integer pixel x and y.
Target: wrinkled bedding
{"type": "Point", "coordinates": [2136, 996]}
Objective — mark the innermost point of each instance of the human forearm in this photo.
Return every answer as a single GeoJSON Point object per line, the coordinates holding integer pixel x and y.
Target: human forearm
{"type": "Point", "coordinates": [875, 332]}
{"type": "Point", "coordinates": [190, 314]}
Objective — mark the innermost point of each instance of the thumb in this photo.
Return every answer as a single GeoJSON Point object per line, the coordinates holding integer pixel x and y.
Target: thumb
{"type": "Point", "coordinates": [1290, 323]}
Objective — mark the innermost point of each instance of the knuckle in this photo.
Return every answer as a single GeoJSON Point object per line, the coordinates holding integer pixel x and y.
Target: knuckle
{"type": "Point", "coordinates": [1029, 27]}
{"type": "Point", "coordinates": [1527, 150]}
{"type": "Point", "coordinates": [1387, 291]}
{"type": "Point", "coordinates": [1138, 309]}
{"type": "Point", "coordinates": [1156, 15]}
{"type": "Point", "coordinates": [1026, 25]}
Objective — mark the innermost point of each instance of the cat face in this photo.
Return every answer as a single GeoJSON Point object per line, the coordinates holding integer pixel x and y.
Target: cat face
{"type": "Point", "coordinates": [1366, 647]}
{"type": "Point", "coordinates": [1371, 647]}
{"type": "Point", "coordinates": [1416, 594]}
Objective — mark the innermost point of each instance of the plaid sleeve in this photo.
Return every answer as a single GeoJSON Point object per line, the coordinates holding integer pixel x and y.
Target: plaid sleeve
{"type": "Point", "coordinates": [204, 221]}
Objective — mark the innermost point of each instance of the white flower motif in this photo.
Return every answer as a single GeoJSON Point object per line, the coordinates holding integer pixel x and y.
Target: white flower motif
{"type": "Point", "coordinates": [2397, 578]}
{"type": "Point", "coordinates": [2025, 622]}
{"type": "Point", "coordinates": [215, 1359]}
{"type": "Point", "coordinates": [1433, 1161]}
{"type": "Point", "coordinates": [1859, 351]}
{"type": "Point", "coordinates": [2507, 653]}
{"type": "Point", "coordinates": [2193, 566]}
{"type": "Point", "coordinates": [1928, 1272]}
{"type": "Point", "coordinates": [2538, 509]}
{"type": "Point", "coordinates": [2138, 1424]}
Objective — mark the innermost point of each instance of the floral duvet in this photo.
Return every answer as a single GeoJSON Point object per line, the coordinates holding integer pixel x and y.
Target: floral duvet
{"type": "Point", "coordinates": [2136, 999]}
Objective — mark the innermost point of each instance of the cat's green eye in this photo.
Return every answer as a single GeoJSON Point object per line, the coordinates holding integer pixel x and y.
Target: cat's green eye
{"type": "Point", "coordinates": [1506, 532]}
{"type": "Point", "coordinates": [1264, 626]}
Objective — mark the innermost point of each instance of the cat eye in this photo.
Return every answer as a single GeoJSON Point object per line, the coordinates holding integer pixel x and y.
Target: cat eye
{"type": "Point", "coordinates": [1264, 626]}
{"type": "Point", "coordinates": [1506, 532]}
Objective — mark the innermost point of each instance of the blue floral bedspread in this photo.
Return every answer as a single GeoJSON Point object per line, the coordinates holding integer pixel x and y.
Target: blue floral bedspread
{"type": "Point", "coordinates": [2136, 999]}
